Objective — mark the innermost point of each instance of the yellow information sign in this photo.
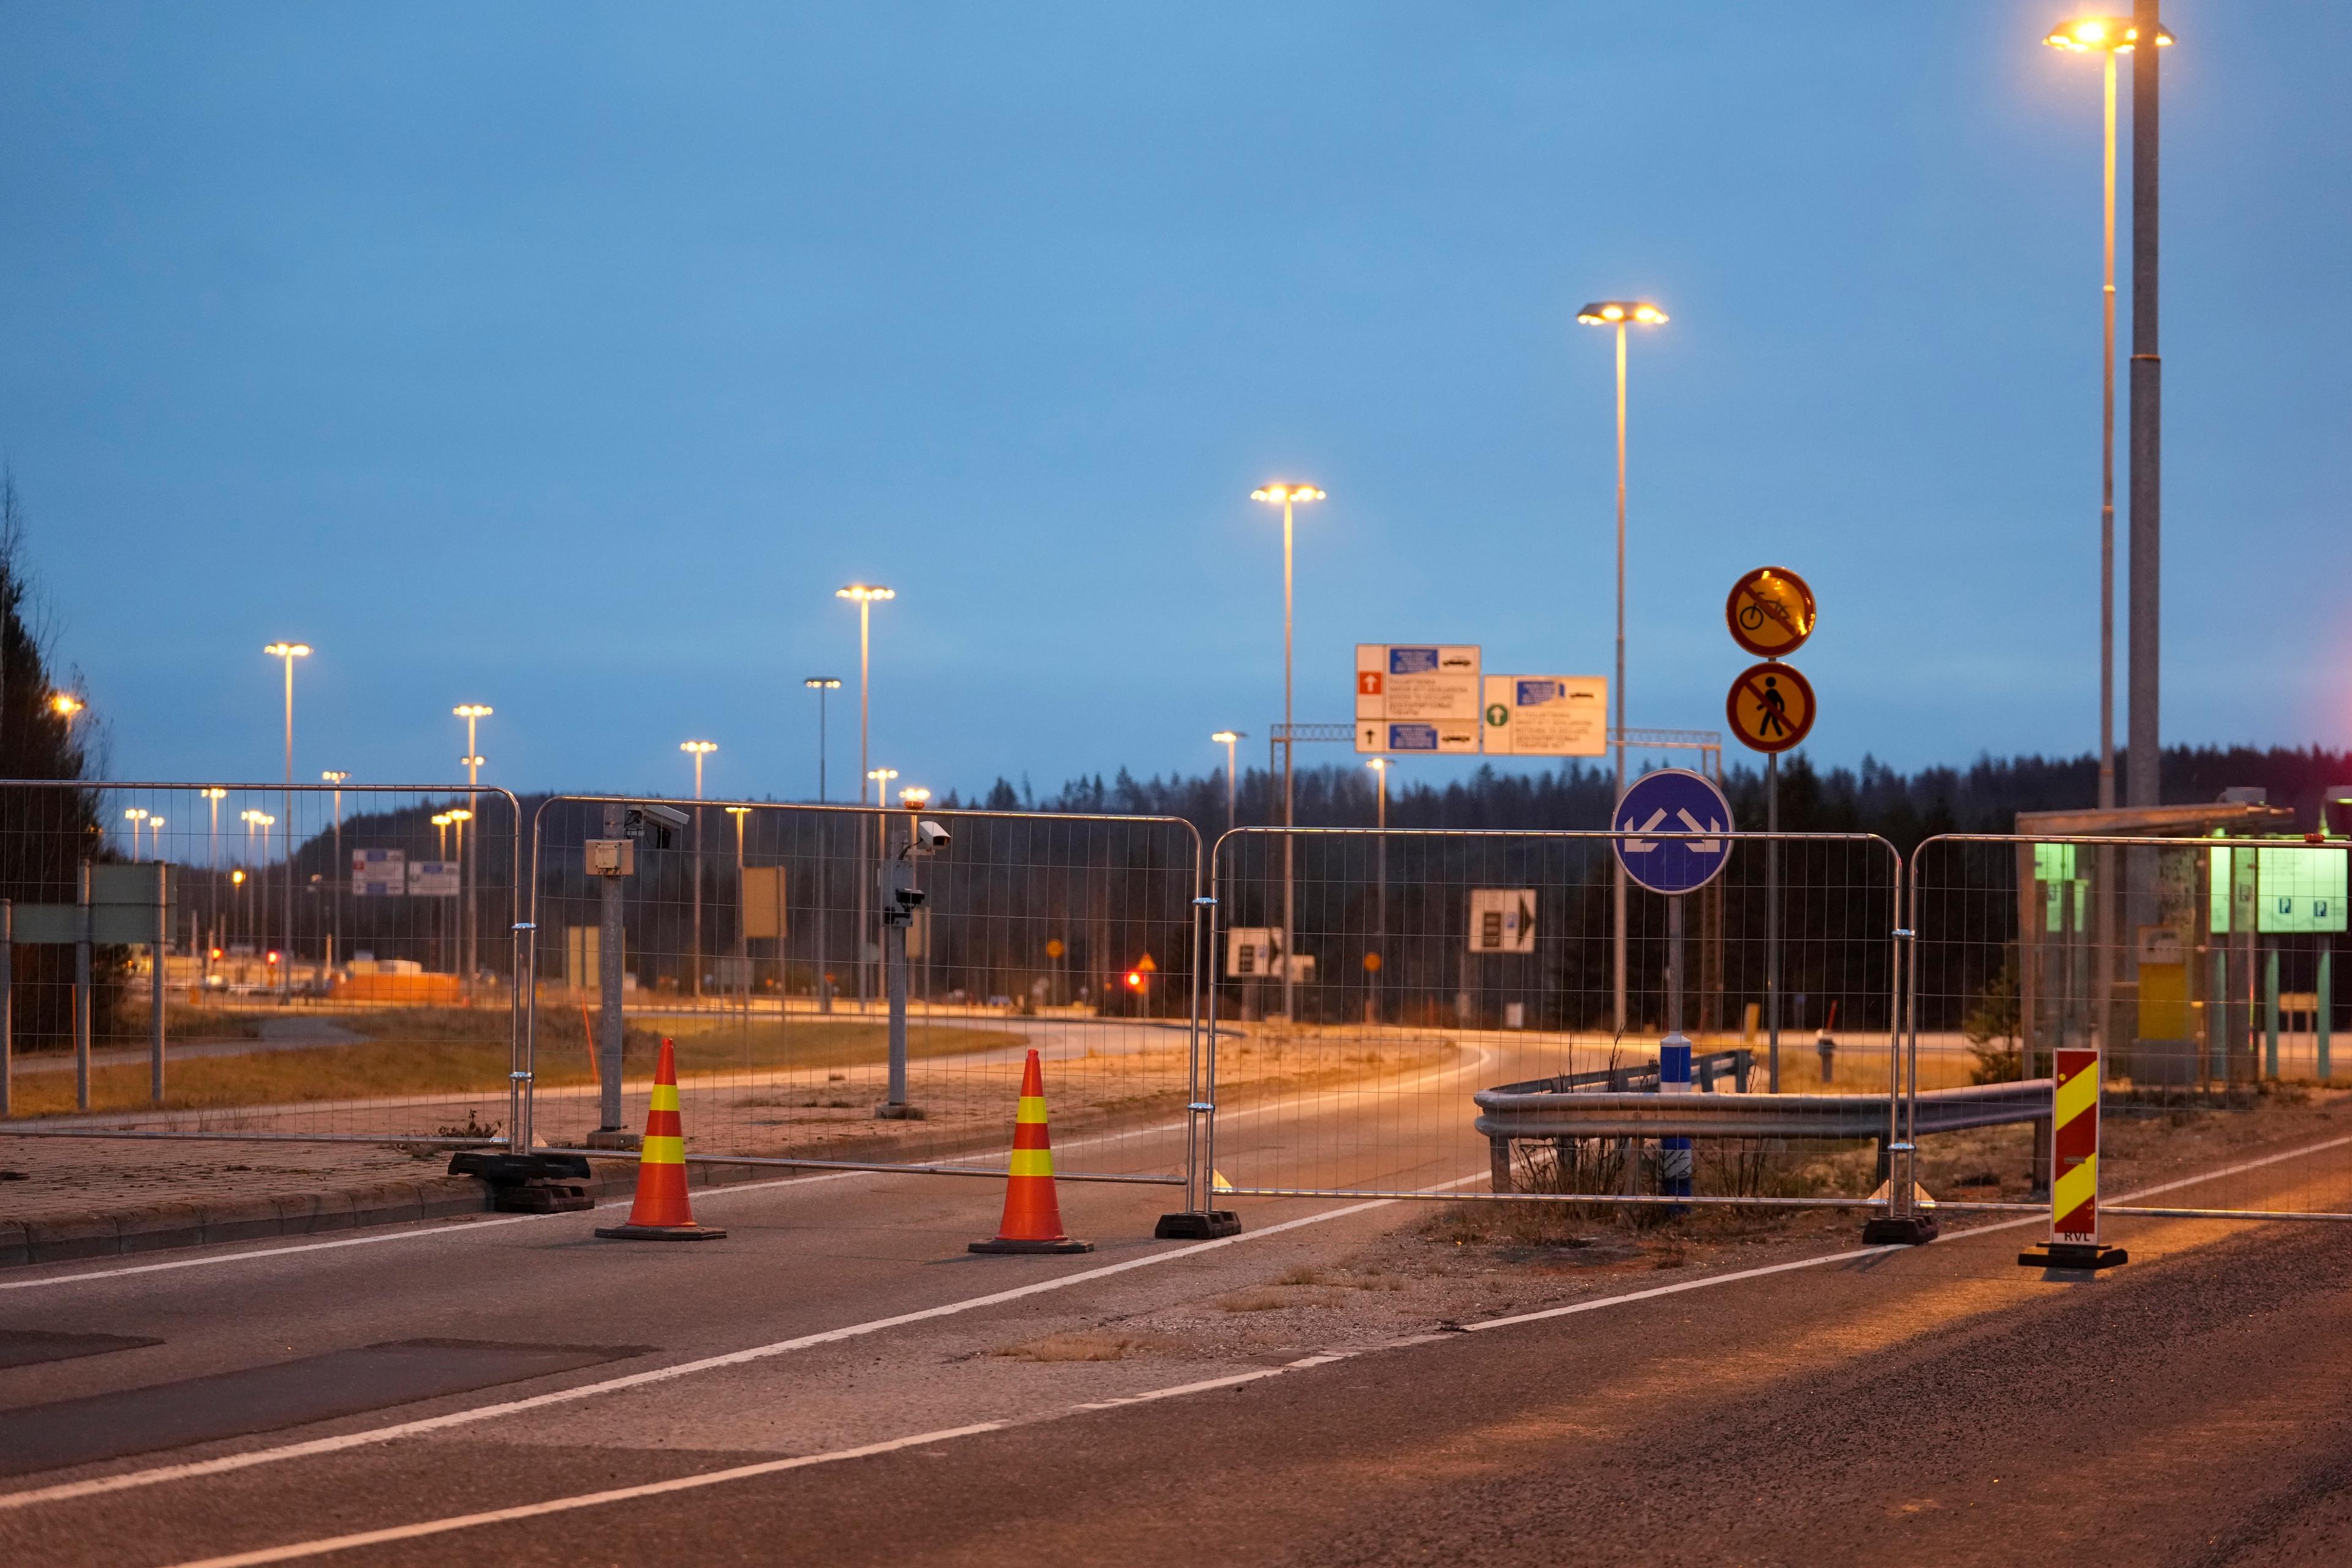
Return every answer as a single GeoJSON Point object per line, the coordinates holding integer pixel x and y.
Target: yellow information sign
{"type": "Point", "coordinates": [1771, 707]}
{"type": "Point", "coordinates": [1770, 612]}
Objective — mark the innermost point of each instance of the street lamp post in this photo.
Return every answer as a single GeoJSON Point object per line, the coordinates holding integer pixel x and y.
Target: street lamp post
{"type": "Point", "coordinates": [1287, 497]}
{"type": "Point", "coordinates": [865, 595]}
{"type": "Point", "coordinates": [1226, 738]}
{"type": "Point", "coordinates": [698, 750]}
{"type": "Point", "coordinates": [1619, 314]}
{"type": "Point", "coordinates": [339, 879]}
{"type": "Point", "coordinates": [213, 798]}
{"type": "Point", "coordinates": [820, 685]}
{"type": "Point", "coordinates": [289, 652]}
{"type": "Point", "coordinates": [441, 821]}
{"type": "Point", "coordinates": [473, 713]}
{"type": "Point", "coordinates": [137, 818]}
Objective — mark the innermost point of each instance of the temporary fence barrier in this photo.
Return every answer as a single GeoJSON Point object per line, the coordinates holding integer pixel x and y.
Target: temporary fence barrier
{"type": "Point", "coordinates": [856, 987]}
{"type": "Point", "coordinates": [303, 963]}
{"type": "Point", "coordinates": [2201, 970]}
{"type": "Point", "coordinates": [1370, 984]}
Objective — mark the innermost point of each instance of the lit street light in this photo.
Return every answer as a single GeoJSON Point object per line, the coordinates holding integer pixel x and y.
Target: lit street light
{"type": "Point", "coordinates": [2107, 36]}
{"type": "Point", "coordinates": [1618, 314]}
{"type": "Point", "coordinates": [473, 713]}
{"type": "Point", "coordinates": [289, 652]}
{"type": "Point", "coordinates": [135, 817]}
{"type": "Point", "coordinates": [820, 684]}
{"type": "Point", "coordinates": [1287, 497]}
{"type": "Point", "coordinates": [1226, 738]}
{"type": "Point", "coordinates": [698, 750]}
{"type": "Point", "coordinates": [865, 595]}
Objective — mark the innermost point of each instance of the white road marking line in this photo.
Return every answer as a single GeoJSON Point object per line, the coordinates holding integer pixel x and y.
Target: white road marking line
{"type": "Point", "coordinates": [428, 1230]}
{"type": "Point", "coordinates": [228, 1462]}
{"type": "Point", "coordinates": [700, 1193]}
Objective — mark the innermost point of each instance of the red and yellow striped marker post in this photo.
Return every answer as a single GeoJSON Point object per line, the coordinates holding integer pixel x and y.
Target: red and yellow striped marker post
{"type": "Point", "coordinates": [661, 1212]}
{"type": "Point", "coordinates": [2073, 1169]}
{"type": "Point", "coordinates": [1033, 1214]}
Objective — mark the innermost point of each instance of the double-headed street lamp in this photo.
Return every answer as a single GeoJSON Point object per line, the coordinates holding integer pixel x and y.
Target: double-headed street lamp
{"type": "Point", "coordinates": [1619, 314]}
{"type": "Point", "coordinates": [1287, 497]}
{"type": "Point", "coordinates": [1226, 738]}
{"type": "Point", "coordinates": [698, 750]}
{"type": "Point", "coordinates": [820, 684]}
{"type": "Point", "coordinates": [289, 652]}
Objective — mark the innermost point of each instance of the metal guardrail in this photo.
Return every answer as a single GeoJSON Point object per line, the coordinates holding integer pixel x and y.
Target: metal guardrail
{"type": "Point", "coordinates": [1642, 1077]}
{"type": "Point", "coordinates": [1507, 1114]}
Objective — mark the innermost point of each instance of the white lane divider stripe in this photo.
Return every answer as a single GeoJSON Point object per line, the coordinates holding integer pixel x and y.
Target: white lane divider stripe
{"type": "Point", "coordinates": [225, 1463]}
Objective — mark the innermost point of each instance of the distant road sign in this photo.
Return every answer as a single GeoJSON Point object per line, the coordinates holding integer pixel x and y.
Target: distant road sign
{"type": "Point", "coordinates": [433, 879]}
{"type": "Point", "coordinates": [1501, 919]}
{"type": "Point", "coordinates": [1770, 612]}
{"type": "Point", "coordinates": [1250, 951]}
{"type": "Point", "coordinates": [1673, 800]}
{"type": "Point", "coordinates": [1771, 707]}
{"type": "Point", "coordinates": [1547, 715]}
{"type": "Point", "coordinates": [1421, 696]}
{"type": "Point", "coordinates": [379, 873]}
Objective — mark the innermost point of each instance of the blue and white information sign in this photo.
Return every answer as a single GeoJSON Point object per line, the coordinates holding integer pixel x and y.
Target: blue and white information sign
{"type": "Point", "coordinates": [1673, 800]}
{"type": "Point", "coordinates": [379, 873]}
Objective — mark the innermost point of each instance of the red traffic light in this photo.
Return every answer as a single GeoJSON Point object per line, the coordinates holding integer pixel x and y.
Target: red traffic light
{"type": "Point", "coordinates": [1135, 980]}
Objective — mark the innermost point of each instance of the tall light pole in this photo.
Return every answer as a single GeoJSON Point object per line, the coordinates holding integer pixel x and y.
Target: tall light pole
{"type": "Point", "coordinates": [258, 917]}
{"type": "Point", "coordinates": [341, 874]}
{"type": "Point", "coordinates": [134, 817]}
{"type": "Point", "coordinates": [1287, 497]}
{"type": "Point", "coordinates": [441, 821]}
{"type": "Point", "coordinates": [473, 713]}
{"type": "Point", "coordinates": [865, 595]}
{"type": "Point", "coordinates": [1619, 314]}
{"type": "Point", "coordinates": [698, 750]}
{"type": "Point", "coordinates": [2142, 742]}
{"type": "Point", "coordinates": [820, 684]}
{"type": "Point", "coordinates": [289, 652]}
{"type": "Point", "coordinates": [1226, 738]}
{"type": "Point", "coordinates": [213, 798]}
{"type": "Point", "coordinates": [156, 827]}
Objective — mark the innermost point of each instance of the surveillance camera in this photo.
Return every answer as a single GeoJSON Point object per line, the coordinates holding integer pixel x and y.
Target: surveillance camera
{"type": "Point", "coordinates": [908, 897]}
{"type": "Point", "coordinates": [661, 818]}
{"type": "Point", "coordinates": [930, 837]}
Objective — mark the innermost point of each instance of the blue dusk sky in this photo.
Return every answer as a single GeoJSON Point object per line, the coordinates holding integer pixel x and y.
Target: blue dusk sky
{"type": "Point", "coordinates": [566, 357]}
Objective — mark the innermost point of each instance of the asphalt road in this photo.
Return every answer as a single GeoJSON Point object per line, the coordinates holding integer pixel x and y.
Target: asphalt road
{"type": "Point", "coordinates": [1938, 1405]}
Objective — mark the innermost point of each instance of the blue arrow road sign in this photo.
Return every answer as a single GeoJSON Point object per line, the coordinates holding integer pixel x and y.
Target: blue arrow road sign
{"type": "Point", "coordinates": [1673, 800]}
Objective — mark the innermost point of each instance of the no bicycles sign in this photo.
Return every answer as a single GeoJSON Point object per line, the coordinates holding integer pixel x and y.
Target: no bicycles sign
{"type": "Point", "coordinates": [1770, 612]}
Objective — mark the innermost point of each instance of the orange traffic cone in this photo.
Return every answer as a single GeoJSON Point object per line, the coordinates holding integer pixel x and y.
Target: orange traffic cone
{"type": "Point", "coordinates": [1033, 1216]}
{"type": "Point", "coordinates": [660, 1213]}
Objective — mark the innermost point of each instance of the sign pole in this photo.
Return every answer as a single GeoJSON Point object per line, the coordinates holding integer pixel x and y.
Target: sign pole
{"type": "Point", "coordinates": [1772, 920]}
{"type": "Point", "coordinates": [1675, 1059]}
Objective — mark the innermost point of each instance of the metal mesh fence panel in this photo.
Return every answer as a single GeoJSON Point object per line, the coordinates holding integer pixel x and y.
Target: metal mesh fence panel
{"type": "Point", "coordinates": [1428, 969]}
{"type": "Point", "coordinates": [304, 963]}
{"type": "Point", "coordinates": [763, 939]}
{"type": "Point", "coordinates": [2202, 970]}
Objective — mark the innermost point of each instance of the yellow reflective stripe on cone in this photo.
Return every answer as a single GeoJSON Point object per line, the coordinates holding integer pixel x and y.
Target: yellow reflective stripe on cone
{"type": "Point", "coordinates": [664, 1151]}
{"type": "Point", "coordinates": [1033, 1163]}
{"type": "Point", "coordinates": [1031, 1112]}
{"type": "Point", "coordinates": [664, 1097]}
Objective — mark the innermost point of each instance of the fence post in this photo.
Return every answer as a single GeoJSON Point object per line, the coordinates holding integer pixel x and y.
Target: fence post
{"type": "Point", "coordinates": [1200, 1221]}
{"type": "Point", "coordinates": [81, 988]}
{"type": "Point", "coordinates": [2323, 1018]}
{"type": "Point", "coordinates": [523, 1006]}
{"type": "Point", "coordinates": [7, 1005]}
{"type": "Point", "coordinates": [2270, 1014]}
{"type": "Point", "coordinates": [611, 1024]}
{"type": "Point", "coordinates": [155, 986]}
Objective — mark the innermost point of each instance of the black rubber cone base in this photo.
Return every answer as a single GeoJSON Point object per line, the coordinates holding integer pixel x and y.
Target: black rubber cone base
{"type": "Point", "coordinates": [1215, 1225]}
{"type": "Point", "coordinates": [1003, 1243]}
{"type": "Point", "coordinates": [2073, 1254]}
{"type": "Point", "coordinates": [659, 1232]}
{"type": "Point", "coordinates": [1895, 1230]}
